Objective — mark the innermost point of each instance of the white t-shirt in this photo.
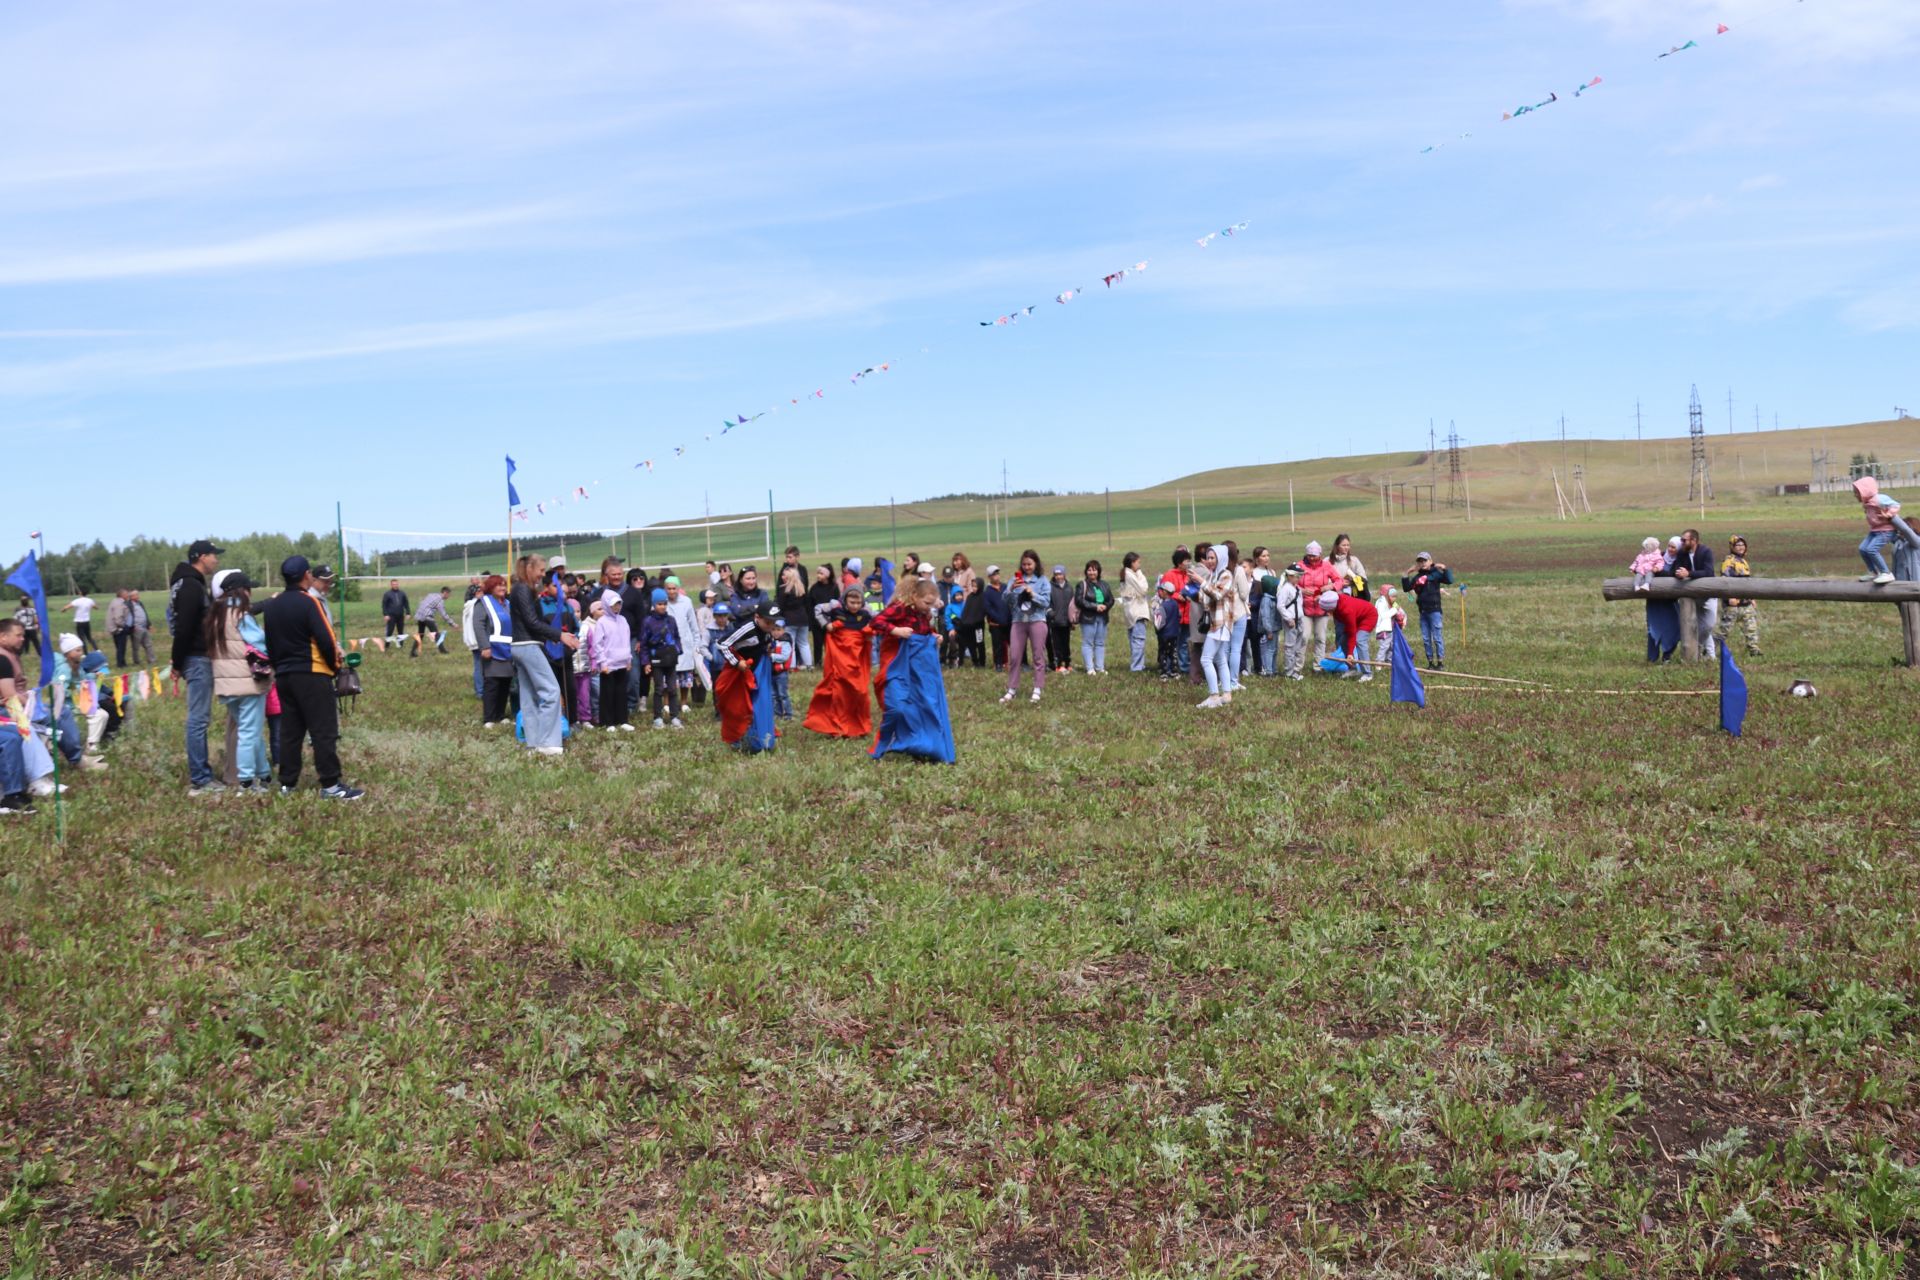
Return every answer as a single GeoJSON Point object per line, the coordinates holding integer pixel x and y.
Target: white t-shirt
{"type": "Point", "coordinates": [83, 609]}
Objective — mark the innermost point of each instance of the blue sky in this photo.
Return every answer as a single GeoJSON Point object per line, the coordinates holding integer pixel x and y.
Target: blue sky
{"type": "Point", "coordinates": [270, 255]}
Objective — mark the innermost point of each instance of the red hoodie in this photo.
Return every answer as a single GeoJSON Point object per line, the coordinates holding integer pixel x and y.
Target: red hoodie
{"type": "Point", "coordinates": [1357, 616]}
{"type": "Point", "coordinates": [1319, 575]}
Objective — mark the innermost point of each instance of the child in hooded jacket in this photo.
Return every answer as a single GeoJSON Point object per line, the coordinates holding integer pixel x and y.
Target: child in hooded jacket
{"type": "Point", "coordinates": [610, 646]}
{"type": "Point", "coordinates": [1880, 511]}
{"type": "Point", "coordinates": [1649, 562]}
{"type": "Point", "coordinates": [1168, 629]}
{"type": "Point", "coordinates": [658, 648]}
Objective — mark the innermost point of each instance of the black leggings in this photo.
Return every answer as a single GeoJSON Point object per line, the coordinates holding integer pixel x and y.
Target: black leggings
{"type": "Point", "coordinates": [613, 698]}
{"type": "Point", "coordinates": [396, 625]}
{"type": "Point", "coordinates": [1059, 645]}
{"type": "Point", "coordinates": [493, 703]}
{"type": "Point", "coordinates": [85, 631]}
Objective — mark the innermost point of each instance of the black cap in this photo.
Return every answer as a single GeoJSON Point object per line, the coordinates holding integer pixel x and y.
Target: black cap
{"type": "Point", "coordinates": [235, 581]}
{"type": "Point", "coordinates": [293, 568]}
{"type": "Point", "coordinates": [767, 609]}
{"type": "Point", "coordinates": [323, 571]}
{"type": "Point", "coordinates": [204, 548]}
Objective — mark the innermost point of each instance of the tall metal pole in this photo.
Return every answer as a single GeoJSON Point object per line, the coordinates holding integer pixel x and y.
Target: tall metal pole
{"type": "Point", "coordinates": [1109, 518]}
{"type": "Point", "coordinates": [1291, 527]}
{"type": "Point", "coordinates": [769, 528]}
{"type": "Point", "coordinates": [340, 583]}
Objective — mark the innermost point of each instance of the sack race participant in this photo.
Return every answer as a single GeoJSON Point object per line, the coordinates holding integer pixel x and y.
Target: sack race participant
{"type": "Point", "coordinates": [743, 691]}
{"type": "Point", "coordinates": [841, 707]}
{"type": "Point", "coordinates": [913, 720]}
{"type": "Point", "coordinates": [910, 614]}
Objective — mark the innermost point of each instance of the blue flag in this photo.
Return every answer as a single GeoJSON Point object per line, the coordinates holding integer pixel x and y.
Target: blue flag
{"type": "Point", "coordinates": [513, 495]}
{"type": "Point", "coordinates": [27, 579]}
{"type": "Point", "coordinates": [1405, 684]}
{"type": "Point", "coordinates": [1733, 693]}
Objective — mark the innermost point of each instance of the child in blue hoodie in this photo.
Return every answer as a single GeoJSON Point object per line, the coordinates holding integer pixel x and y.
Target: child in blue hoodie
{"type": "Point", "coordinates": [658, 650]}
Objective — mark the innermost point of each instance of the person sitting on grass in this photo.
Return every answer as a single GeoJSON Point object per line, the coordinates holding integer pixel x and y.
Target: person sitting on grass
{"type": "Point", "coordinates": [15, 800]}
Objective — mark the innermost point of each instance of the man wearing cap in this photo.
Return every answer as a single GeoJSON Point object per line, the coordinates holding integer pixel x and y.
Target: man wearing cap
{"type": "Point", "coordinates": [394, 608]}
{"type": "Point", "coordinates": [187, 602]}
{"type": "Point", "coordinates": [1424, 581]}
{"type": "Point", "coordinates": [306, 655]}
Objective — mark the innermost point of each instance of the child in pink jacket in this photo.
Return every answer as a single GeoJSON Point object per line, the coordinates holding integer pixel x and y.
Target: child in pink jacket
{"type": "Point", "coordinates": [609, 650]}
{"type": "Point", "coordinates": [1880, 511]}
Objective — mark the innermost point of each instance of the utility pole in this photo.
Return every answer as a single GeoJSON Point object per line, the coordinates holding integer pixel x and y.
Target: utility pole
{"type": "Point", "coordinates": [1639, 445]}
{"type": "Point", "coordinates": [1699, 477]}
{"type": "Point", "coordinates": [1109, 518]}
{"type": "Point", "coordinates": [1456, 480]}
{"type": "Point", "coordinates": [1729, 410]}
{"type": "Point", "coordinates": [1563, 441]}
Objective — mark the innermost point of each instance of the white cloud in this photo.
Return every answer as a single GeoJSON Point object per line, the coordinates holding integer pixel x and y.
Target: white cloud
{"type": "Point", "coordinates": [1763, 182]}
{"type": "Point", "coordinates": [344, 240]}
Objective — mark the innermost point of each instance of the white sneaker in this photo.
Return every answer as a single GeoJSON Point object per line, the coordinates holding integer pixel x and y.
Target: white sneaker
{"type": "Point", "coordinates": [1866, 577]}
{"type": "Point", "coordinates": [1211, 702]}
{"type": "Point", "coordinates": [628, 726]}
{"type": "Point", "coordinates": [1366, 676]}
{"type": "Point", "coordinates": [1006, 697]}
{"type": "Point", "coordinates": [677, 724]}
{"type": "Point", "coordinates": [1036, 695]}
{"type": "Point", "coordinates": [549, 751]}
{"type": "Point", "coordinates": [1882, 579]}
{"type": "Point", "coordinates": [45, 787]}
{"type": "Point", "coordinates": [94, 764]}
{"type": "Point", "coordinates": [658, 723]}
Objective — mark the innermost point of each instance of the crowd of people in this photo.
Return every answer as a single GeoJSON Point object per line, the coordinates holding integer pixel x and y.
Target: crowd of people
{"type": "Point", "coordinates": [556, 652]}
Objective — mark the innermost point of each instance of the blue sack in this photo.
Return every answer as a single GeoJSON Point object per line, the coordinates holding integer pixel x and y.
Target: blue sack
{"type": "Point", "coordinates": [914, 721]}
{"type": "Point", "coordinates": [520, 732]}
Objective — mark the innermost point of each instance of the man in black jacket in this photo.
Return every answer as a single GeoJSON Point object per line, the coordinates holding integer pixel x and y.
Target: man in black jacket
{"type": "Point", "coordinates": [305, 654]}
{"type": "Point", "coordinates": [1695, 561]}
{"type": "Point", "coordinates": [187, 603]}
{"type": "Point", "coordinates": [394, 607]}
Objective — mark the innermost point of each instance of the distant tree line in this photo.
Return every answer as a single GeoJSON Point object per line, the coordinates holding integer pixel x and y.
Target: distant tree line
{"type": "Point", "coordinates": [146, 563]}
{"type": "Point", "coordinates": [996, 497]}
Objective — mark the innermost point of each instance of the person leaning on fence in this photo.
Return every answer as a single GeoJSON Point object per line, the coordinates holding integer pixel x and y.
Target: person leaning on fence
{"type": "Point", "coordinates": [306, 656]}
{"type": "Point", "coordinates": [1741, 612]}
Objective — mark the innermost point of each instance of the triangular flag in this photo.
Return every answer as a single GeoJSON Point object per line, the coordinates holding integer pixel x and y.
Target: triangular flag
{"type": "Point", "coordinates": [1733, 693]}
{"type": "Point", "coordinates": [1722, 30]}
{"type": "Point", "coordinates": [1405, 684]}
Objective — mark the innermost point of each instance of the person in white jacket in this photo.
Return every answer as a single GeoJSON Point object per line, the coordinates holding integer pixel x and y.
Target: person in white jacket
{"type": "Point", "coordinates": [1391, 615]}
{"type": "Point", "coordinates": [1136, 606]}
{"type": "Point", "coordinates": [1293, 622]}
{"type": "Point", "coordinates": [692, 674]}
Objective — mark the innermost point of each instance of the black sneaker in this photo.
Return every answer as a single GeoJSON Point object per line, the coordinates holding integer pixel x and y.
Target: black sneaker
{"type": "Point", "coordinates": [340, 791]}
{"type": "Point", "coordinates": [19, 804]}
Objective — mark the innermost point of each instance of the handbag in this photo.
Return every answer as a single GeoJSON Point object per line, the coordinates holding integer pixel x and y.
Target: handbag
{"type": "Point", "coordinates": [346, 683]}
{"type": "Point", "coordinates": [259, 666]}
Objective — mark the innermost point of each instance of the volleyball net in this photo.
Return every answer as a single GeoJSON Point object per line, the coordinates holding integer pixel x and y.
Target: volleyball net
{"type": "Point", "coordinates": [420, 555]}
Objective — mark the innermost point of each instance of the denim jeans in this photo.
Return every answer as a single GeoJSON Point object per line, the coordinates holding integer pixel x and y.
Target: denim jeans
{"type": "Point", "coordinates": [1215, 662]}
{"type": "Point", "coordinates": [68, 734]}
{"type": "Point", "coordinates": [199, 678]}
{"type": "Point", "coordinates": [1872, 545]}
{"type": "Point", "coordinates": [803, 645]}
{"type": "Point", "coordinates": [782, 703]}
{"type": "Point", "coordinates": [1137, 646]}
{"type": "Point", "coordinates": [1093, 644]}
{"type": "Point", "coordinates": [13, 764]}
{"type": "Point", "coordinates": [1269, 653]}
{"type": "Point", "coordinates": [539, 696]}
{"type": "Point", "coordinates": [1432, 638]}
{"type": "Point", "coordinates": [1236, 647]}
{"type": "Point", "coordinates": [249, 716]}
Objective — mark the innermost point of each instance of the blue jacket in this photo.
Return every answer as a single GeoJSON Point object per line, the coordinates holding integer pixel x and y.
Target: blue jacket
{"type": "Point", "coordinates": [999, 612]}
{"type": "Point", "coordinates": [1031, 599]}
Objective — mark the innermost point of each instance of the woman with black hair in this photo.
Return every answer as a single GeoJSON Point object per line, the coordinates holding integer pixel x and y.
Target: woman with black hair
{"type": "Point", "coordinates": [1028, 599]}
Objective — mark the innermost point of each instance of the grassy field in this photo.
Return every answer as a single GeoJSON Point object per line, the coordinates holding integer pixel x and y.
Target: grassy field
{"type": "Point", "coordinates": [1526, 984]}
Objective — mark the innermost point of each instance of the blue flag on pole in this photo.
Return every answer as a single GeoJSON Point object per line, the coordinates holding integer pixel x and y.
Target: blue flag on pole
{"type": "Point", "coordinates": [1733, 693]}
{"type": "Point", "coordinates": [1405, 684]}
{"type": "Point", "coordinates": [513, 495]}
{"type": "Point", "coordinates": [27, 579]}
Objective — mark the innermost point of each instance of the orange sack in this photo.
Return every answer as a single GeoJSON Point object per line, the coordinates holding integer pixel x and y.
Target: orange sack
{"type": "Point", "coordinates": [842, 706]}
